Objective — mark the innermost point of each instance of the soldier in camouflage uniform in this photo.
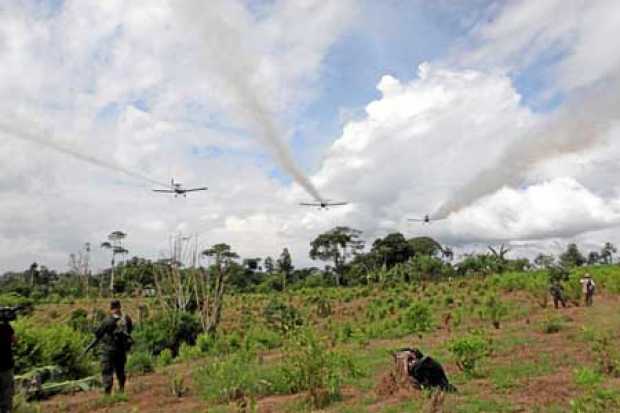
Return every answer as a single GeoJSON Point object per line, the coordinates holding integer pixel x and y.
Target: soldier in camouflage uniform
{"type": "Point", "coordinates": [114, 334]}
{"type": "Point", "coordinates": [557, 292]}
{"type": "Point", "coordinates": [7, 384]}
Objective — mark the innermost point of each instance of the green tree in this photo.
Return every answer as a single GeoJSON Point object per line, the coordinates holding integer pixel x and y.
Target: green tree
{"type": "Point", "coordinates": [572, 257]}
{"type": "Point", "coordinates": [594, 258]}
{"type": "Point", "coordinates": [285, 267]}
{"type": "Point", "coordinates": [213, 290]}
{"type": "Point", "coordinates": [544, 261]}
{"type": "Point", "coordinates": [607, 253]}
{"type": "Point", "coordinates": [425, 246]}
{"type": "Point", "coordinates": [337, 245]}
{"type": "Point", "coordinates": [391, 250]}
{"type": "Point", "coordinates": [115, 244]}
{"type": "Point", "coordinates": [269, 265]}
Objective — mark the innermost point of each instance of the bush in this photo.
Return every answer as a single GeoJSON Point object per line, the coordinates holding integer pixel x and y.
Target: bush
{"type": "Point", "coordinates": [468, 352]}
{"type": "Point", "coordinates": [309, 366]}
{"type": "Point", "coordinates": [262, 339]}
{"type": "Point", "coordinates": [56, 344]}
{"type": "Point", "coordinates": [606, 354]}
{"type": "Point", "coordinates": [596, 401]}
{"type": "Point", "coordinates": [79, 321]}
{"type": "Point", "coordinates": [188, 353]}
{"type": "Point", "coordinates": [233, 377]}
{"type": "Point", "coordinates": [418, 318]}
{"type": "Point", "coordinates": [586, 377]}
{"type": "Point", "coordinates": [155, 335]}
{"type": "Point", "coordinates": [165, 358]}
{"type": "Point", "coordinates": [281, 317]}
{"type": "Point", "coordinates": [140, 363]}
{"type": "Point", "coordinates": [553, 325]}
{"type": "Point", "coordinates": [495, 310]}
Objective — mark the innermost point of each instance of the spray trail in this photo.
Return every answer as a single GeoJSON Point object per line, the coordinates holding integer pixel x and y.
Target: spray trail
{"type": "Point", "coordinates": [228, 57]}
{"type": "Point", "coordinates": [39, 139]}
{"type": "Point", "coordinates": [579, 126]}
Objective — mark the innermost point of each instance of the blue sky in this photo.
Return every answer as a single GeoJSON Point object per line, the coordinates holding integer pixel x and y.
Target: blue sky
{"type": "Point", "coordinates": [393, 38]}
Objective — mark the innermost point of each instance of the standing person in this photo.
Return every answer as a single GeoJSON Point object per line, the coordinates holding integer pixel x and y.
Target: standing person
{"type": "Point", "coordinates": [557, 292]}
{"type": "Point", "coordinates": [114, 333]}
{"type": "Point", "coordinates": [588, 287]}
{"type": "Point", "coordinates": [7, 384]}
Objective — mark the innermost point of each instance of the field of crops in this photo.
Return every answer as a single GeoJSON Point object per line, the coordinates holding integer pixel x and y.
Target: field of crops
{"type": "Point", "coordinates": [501, 341]}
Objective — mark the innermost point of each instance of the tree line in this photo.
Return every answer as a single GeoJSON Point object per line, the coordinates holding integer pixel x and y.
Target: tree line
{"type": "Point", "coordinates": [343, 259]}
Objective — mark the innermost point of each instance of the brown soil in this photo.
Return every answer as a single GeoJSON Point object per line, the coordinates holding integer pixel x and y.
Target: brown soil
{"type": "Point", "coordinates": [151, 393]}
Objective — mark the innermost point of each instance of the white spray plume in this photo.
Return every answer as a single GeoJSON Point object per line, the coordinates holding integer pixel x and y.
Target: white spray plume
{"type": "Point", "coordinates": [229, 59]}
{"type": "Point", "coordinates": [579, 125]}
{"type": "Point", "coordinates": [41, 138]}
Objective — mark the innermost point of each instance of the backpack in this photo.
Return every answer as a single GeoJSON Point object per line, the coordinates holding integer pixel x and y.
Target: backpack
{"type": "Point", "coordinates": [121, 337]}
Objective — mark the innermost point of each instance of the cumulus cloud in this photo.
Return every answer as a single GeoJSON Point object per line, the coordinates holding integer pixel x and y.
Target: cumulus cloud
{"type": "Point", "coordinates": [137, 84]}
{"type": "Point", "coordinates": [125, 83]}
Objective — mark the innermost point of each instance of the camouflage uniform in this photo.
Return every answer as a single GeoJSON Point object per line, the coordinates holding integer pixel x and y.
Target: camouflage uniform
{"type": "Point", "coordinates": [114, 351]}
{"type": "Point", "coordinates": [557, 292]}
{"type": "Point", "coordinates": [7, 390]}
{"type": "Point", "coordinates": [7, 386]}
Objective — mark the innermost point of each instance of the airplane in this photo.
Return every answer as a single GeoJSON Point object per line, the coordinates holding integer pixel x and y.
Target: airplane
{"type": "Point", "coordinates": [323, 204]}
{"type": "Point", "coordinates": [177, 189]}
{"type": "Point", "coordinates": [425, 220]}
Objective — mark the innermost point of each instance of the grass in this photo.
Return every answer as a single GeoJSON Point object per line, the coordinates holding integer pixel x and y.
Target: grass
{"type": "Point", "coordinates": [520, 353]}
{"type": "Point", "coordinates": [510, 376]}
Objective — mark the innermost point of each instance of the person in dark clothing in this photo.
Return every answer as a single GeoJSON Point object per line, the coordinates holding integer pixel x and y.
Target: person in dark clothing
{"type": "Point", "coordinates": [7, 384]}
{"type": "Point", "coordinates": [114, 334]}
{"type": "Point", "coordinates": [557, 292]}
{"type": "Point", "coordinates": [427, 372]}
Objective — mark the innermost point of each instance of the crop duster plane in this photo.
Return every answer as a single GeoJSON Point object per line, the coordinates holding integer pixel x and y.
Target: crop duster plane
{"type": "Point", "coordinates": [177, 189]}
{"type": "Point", "coordinates": [425, 220]}
{"type": "Point", "coordinates": [323, 204]}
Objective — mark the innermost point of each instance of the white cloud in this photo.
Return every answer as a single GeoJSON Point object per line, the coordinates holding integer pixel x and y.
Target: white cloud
{"type": "Point", "coordinates": [580, 34]}
{"type": "Point", "coordinates": [86, 72]}
{"type": "Point", "coordinates": [137, 83]}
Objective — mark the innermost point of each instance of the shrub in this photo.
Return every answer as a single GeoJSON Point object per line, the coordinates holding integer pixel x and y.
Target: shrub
{"type": "Point", "coordinates": [56, 344]}
{"type": "Point", "coordinates": [586, 377]}
{"type": "Point", "coordinates": [262, 339]}
{"type": "Point", "coordinates": [495, 310]}
{"type": "Point", "coordinates": [418, 318]}
{"type": "Point", "coordinates": [140, 363]}
{"type": "Point", "coordinates": [281, 317]}
{"type": "Point", "coordinates": [596, 401]}
{"type": "Point", "coordinates": [188, 353]}
{"type": "Point", "coordinates": [155, 335]}
{"type": "Point", "coordinates": [606, 354]}
{"type": "Point", "coordinates": [468, 352]}
{"type": "Point", "coordinates": [13, 299]}
{"type": "Point", "coordinates": [553, 325]}
{"type": "Point", "coordinates": [165, 358]}
{"type": "Point", "coordinates": [177, 385]}
{"type": "Point", "coordinates": [79, 321]}
{"type": "Point", "coordinates": [309, 366]}
{"type": "Point", "coordinates": [232, 377]}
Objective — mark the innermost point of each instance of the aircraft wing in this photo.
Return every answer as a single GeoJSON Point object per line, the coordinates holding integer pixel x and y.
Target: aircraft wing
{"type": "Point", "coordinates": [337, 203]}
{"type": "Point", "coordinates": [168, 191]}
{"type": "Point", "coordinates": [309, 204]}
{"type": "Point", "coordinates": [415, 220]}
{"type": "Point", "coordinates": [204, 188]}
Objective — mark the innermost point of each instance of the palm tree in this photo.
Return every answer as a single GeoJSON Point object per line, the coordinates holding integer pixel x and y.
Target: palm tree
{"type": "Point", "coordinates": [114, 243]}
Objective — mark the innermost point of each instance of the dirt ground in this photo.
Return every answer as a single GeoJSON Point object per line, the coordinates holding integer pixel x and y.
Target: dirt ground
{"type": "Point", "coordinates": [563, 352]}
